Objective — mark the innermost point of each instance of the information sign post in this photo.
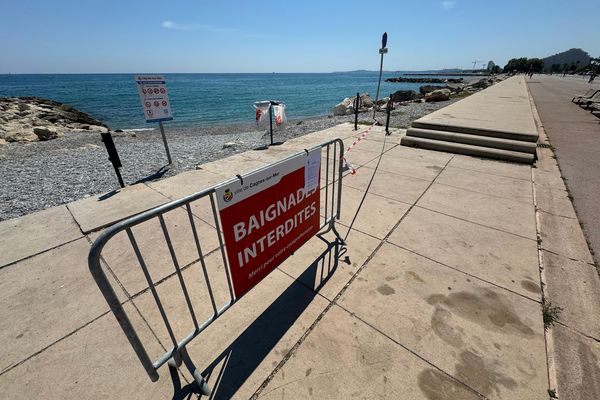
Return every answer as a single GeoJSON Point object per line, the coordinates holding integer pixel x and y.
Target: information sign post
{"type": "Point", "coordinates": [154, 97]}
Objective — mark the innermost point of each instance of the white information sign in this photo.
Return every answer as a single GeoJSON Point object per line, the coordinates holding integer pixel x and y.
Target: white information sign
{"type": "Point", "coordinates": [154, 97]}
{"type": "Point", "coordinates": [312, 169]}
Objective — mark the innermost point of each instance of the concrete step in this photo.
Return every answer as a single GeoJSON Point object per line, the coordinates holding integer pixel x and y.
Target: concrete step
{"type": "Point", "coordinates": [468, 149]}
{"type": "Point", "coordinates": [476, 140]}
{"type": "Point", "coordinates": [520, 136]}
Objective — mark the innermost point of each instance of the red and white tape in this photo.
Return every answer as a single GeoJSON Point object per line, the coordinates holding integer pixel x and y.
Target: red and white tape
{"type": "Point", "coordinates": [361, 136]}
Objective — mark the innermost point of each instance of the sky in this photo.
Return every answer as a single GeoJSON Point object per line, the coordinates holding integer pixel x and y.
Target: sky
{"type": "Point", "coordinates": [131, 36]}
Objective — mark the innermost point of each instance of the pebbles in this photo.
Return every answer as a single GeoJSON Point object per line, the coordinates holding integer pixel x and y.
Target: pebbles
{"type": "Point", "coordinates": [39, 175]}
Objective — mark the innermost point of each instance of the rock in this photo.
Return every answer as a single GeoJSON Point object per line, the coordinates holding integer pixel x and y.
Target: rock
{"type": "Point", "coordinates": [482, 84]}
{"type": "Point", "coordinates": [26, 119]}
{"type": "Point", "coordinates": [346, 107]}
{"type": "Point", "coordinates": [430, 88]}
{"type": "Point", "coordinates": [2, 141]}
{"type": "Point", "coordinates": [21, 136]}
{"type": "Point", "coordinates": [45, 133]}
{"type": "Point", "coordinates": [118, 130]}
{"type": "Point", "coordinates": [229, 145]}
{"type": "Point", "coordinates": [438, 95]}
{"type": "Point", "coordinates": [403, 95]}
{"type": "Point", "coordinates": [365, 101]}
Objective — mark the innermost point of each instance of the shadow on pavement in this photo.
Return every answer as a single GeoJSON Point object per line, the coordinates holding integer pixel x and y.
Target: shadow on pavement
{"type": "Point", "coordinates": [238, 361]}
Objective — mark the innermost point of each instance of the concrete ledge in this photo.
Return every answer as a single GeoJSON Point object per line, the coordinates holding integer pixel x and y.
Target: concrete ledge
{"type": "Point", "coordinates": [476, 140]}
{"type": "Point", "coordinates": [468, 149]}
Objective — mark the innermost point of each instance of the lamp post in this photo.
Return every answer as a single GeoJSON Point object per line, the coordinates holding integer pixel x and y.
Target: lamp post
{"type": "Point", "coordinates": [383, 50]}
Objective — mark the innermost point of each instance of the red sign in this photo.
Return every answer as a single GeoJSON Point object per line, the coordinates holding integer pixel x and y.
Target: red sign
{"type": "Point", "coordinates": [267, 217]}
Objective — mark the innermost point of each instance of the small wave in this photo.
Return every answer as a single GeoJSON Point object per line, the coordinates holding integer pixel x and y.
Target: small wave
{"type": "Point", "coordinates": [138, 129]}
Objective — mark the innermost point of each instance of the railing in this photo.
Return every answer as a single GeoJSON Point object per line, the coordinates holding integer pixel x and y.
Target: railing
{"type": "Point", "coordinates": [330, 186]}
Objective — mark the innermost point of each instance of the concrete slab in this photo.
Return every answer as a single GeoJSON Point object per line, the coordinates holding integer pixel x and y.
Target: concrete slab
{"type": "Point", "coordinates": [382, 214]}
{"type": "Point", "coordinates": [546, 160]}
{"type": "Point", "coordinates": [96, 362]}
{"type": "Point", "coordinates": [186, 183]}
{"type": "Point", "coordinates": [271, 154]}
{"type": "Point", "coordinates": [575, 287]}
{"type": "Point", "coordinates": [548, 178]}
{"type": "Point", "coordinates": [428, 156]}
{"type": "Point", "coordinates": [563, 236]}
{"type": "Point", "coordinates": [486, 337]}
{"type": "Point", "coordinates": [387, 184]}
{"type": "Point", "coordinates": [238, 351]}
{"type": "Point", "coordinates": [361, 157]}
{"type": "Point", "coordinates": [578, 364]}
{"type": "Point", "coordinates": [493, 185]}
{"type": "Point", "coordinates": [502, 108]}
{"type": "Point", "coordinates": [407, 167]}
{"type": "Point", "coordinates": [554, 201]}
{"type": "Point", "coordinates": [121, 258]}
{"type": "Point", "coordinates": [377, 134]}
{"type": "Point", "coordinates": [236, 164]}
{"type": "Point", "coordinates": [242, 351]}
{"type": "Point", "coordinates": [97, 212]}
{"type": "Point", "coordinates": [326, 275]}
{"type": "Point", "coordinates": [46, 297]}
{"type": "Point", "coordinates": [494, 167]}
{"type": "Point", "coordinates": [369, 145]}
{"type": "Point", "coordinates": [503, 259]}
{"type": "Point", "coordinates": [495, 212]}
{"type": "Point", "coordinates": [31, 234]}
{"type": "Point", "coordinates": [343, 358]}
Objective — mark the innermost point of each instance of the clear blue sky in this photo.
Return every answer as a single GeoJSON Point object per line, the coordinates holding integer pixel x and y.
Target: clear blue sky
{"type": "Point", "coordinates": [57, 36]}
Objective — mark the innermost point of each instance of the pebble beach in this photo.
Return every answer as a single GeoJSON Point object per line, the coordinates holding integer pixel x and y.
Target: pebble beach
{"type": "Point", "coordinates": [39, 175]}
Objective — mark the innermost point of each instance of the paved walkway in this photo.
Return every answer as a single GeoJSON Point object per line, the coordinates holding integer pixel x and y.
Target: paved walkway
{"type": "Point", "coordinates": [437, 295]}
{"type": "Point", "coordinates": [575, 135]}
{"type": "Point", "coordinates": [569, 274]}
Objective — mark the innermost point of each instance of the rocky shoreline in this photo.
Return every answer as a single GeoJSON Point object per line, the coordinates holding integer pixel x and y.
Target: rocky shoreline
{"type": "Point", "coordinates": [32, 119]}
{"type": "Point", "coordinates": [42, 174]}
{"type": "Point", "coordinates": [453, 88]}
{"type": "Point", "coordinates": [402, 79]}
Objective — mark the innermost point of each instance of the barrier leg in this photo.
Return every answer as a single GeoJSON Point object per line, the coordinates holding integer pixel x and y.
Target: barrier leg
{"type": "Point", "coordinates": [182, 355]}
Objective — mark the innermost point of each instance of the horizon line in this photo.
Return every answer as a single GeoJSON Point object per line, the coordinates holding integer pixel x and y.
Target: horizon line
{"type": "Point", "coordinates": [226, 73]}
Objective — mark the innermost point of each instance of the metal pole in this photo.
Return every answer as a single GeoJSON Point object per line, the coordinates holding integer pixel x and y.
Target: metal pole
{"type": "Point", "coordinates": [382, 51]}
{"type": "Point", "coordinates": [389, 111]}
{"type": "Point", "coordinates": [164, 138]}
{"type": "Point", "coordinates": [271, 121]}
{"type": "Point", "coordinates": [356, 111]}
{"type": "Point", "coordinates": [119, 176]}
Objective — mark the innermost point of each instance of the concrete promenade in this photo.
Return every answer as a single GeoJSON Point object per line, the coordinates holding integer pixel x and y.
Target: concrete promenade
{"type": "Point", "coordinates": [438, 294]}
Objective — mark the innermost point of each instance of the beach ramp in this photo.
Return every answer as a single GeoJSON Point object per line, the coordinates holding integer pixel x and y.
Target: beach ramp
{"type": "Point", "coordinates": [495, 123]}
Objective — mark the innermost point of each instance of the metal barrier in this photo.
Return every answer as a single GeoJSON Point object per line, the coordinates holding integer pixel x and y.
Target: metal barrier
{"type": "Point", "coordinates": [329, 213]}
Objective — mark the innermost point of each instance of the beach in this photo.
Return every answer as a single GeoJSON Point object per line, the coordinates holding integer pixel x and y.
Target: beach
{"type": "Point", "coordinates": [39, 175]}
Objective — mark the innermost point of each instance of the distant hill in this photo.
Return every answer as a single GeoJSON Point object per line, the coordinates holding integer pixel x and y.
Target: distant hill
{"type": "Point", "coordinates": [569, 57]}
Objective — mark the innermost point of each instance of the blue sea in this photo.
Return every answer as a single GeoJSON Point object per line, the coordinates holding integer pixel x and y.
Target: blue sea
{"type": "Point", "coordinates": [201, 99]}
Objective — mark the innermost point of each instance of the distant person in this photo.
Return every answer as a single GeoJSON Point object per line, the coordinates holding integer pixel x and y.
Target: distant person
{"type": "Point", "coordinates": [592, 77]}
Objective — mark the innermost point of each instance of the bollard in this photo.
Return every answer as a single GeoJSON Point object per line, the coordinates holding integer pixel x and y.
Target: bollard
{"type": "Point", "coordinates": [271, 122]}
{"type": "Point", "coordinates": [356, 105]}
{"type": "Point", "coordinates": [390, 104]}
{"type": "Point", "coordinates": [113, 156]}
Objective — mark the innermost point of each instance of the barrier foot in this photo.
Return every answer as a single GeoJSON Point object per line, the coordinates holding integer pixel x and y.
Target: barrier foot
{"type": "Point", "coordinates": [202, 384]}
{"type": "Point", "coordinates": [182, 356]}
{"type": "Point", "coordinates": [338, 236]}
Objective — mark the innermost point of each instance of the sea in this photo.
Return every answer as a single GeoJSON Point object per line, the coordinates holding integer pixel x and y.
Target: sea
{"type": "Point", "coordinates": [201, 99]}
